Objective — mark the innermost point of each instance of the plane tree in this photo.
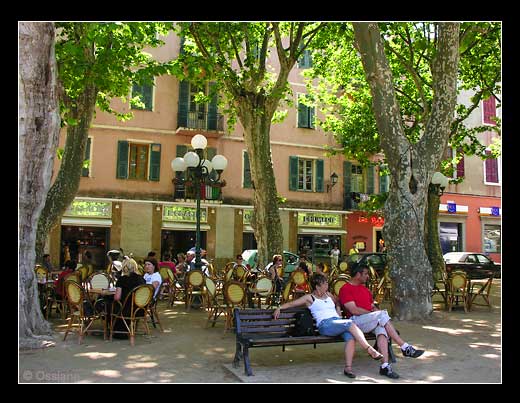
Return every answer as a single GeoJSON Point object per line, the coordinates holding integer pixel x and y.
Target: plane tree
{"type": "Point", "coordinates": [390, 90]}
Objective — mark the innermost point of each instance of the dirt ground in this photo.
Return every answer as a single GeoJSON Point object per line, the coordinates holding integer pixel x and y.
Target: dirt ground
{"type": "Point", "coordinates": [460, 348]}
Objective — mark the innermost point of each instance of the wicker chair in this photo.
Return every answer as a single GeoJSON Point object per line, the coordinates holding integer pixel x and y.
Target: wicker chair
{"type": "Point", "coordinates": [134, 307]}
{"type": "Point", "coordinates": [263, 288]}
{"type": "Point", "coordinates": [81, 309]}
{"type": "Point", "coordinates": [457, 288]}
{"type": "Point", "coordinates": [99, 280]}
{"type": "Point", "coordinates": [214, 302]}
{"type": "Point", "coordinates": [337, 283]}
{"type": "Point", "coordinates": [481, 290]}
{"type": "Point", "coordinates": [194, 285]}
{"type": "Point", "coordinates": [234, 296]}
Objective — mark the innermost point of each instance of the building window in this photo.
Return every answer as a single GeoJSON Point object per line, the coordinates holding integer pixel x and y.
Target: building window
{"type": "Point", "coordinates": [489, 111]}
{"type": "Point", "coordinates": [305, 174]}
{"type": "Point", "coordinates": [492, 238]}
{"type": "Point", "coordinates": [145, 95]}
{"type": "Point", "coordinates": [357, 179]}
{"type": "Point", "coordinates": [491, 170]}
{"type": "Point", "coordinates": [450, 235]}
{"type": "Point", "coordinates": [138, 161]}
{"type": "Point", "coordinates": [305, 114]}
{"type": "Point", "coordinates": [458, 167]}
{"type": "Point", "coordinates": [305, 60]}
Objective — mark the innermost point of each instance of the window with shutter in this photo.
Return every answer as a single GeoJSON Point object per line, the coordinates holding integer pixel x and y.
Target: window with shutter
{"type": "Point", "coordinates": [155, 162]}
{"type": "Point", "coordinates": [145, 94]}
{"type": "Point", "coordinates": [85, 171]}
{"type": "Point", "coordinates": [489, 111]}
{"type": "Point", "coordinates": [246, 171]}
{"type": "Point", "coordinates": [305, 114]}
{"type": "Point", "coordinates": [122, 160]}
{"type": "Point", "coordinates": [491, 171]}
{"type": "Point", "coordinates": [305, 60]}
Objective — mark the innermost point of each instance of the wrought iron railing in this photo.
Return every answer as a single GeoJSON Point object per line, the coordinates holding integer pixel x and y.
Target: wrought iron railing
{"type": "Point", "coordinates": [202, 121]}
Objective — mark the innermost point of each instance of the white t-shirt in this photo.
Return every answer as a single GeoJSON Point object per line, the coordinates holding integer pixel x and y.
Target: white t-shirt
{"type": "Point", "coordinates": [323, 309]}
{"type": "Point", "coordinates": [150, 278]}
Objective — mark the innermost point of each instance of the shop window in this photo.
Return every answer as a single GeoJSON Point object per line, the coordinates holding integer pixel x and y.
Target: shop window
{"type": "Point", "coordinates": [450, 237]}
{"type": "Point", "coordinates": [492, 238]}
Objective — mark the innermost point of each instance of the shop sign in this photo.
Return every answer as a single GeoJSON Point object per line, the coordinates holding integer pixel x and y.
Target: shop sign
{"type": "Point", "coordinates": [376, 221]}
{"type": "Point", "coordinates": [452, 207]}
{"type": "Point", "coordinates": [495, 211]}
{"type": "Point", "coordinates": [247, 217]}
{"type": "Point", "coordinates": [319, 220]}
{"type": "Point", "coordinates": [84, 208]}
{"type": "Point", "coordinates": [184, 214]}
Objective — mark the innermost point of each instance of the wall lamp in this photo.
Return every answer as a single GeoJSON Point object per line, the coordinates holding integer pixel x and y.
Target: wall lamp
{"type": "Point", "coordinates": [440, 182]}
{"type": "Point", "coordinates": [333, 181]}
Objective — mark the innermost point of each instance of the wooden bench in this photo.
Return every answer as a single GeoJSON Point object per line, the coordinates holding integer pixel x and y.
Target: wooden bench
{"type": "Point", "coordinates": [258, 328]}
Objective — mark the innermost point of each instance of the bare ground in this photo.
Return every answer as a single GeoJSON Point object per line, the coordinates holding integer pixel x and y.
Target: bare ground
{"type": "Point", "coordinates": [460, 348]}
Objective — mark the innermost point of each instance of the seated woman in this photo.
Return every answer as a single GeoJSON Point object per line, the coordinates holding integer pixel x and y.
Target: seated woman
{"type": "Point", "coordinates": [326, 311]}
{"type": "Point", "coordinates": [126, 283]}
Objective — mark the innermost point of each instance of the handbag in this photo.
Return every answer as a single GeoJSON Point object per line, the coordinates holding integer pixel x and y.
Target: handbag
{"type": "Point", "coordinates": [304, 324]}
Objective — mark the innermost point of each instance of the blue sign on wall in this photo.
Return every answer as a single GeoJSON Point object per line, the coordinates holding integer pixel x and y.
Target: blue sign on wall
{"type": "Point", "coordinates": [452, 207]}
{"type": "Point", "coordinates": [495, 211]}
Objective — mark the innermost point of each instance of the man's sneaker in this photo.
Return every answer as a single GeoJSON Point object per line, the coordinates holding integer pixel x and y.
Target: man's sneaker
{"type": "Point", "coordinates": [387, 371]}
{"type": "Point", "coordinates": [412, 352]}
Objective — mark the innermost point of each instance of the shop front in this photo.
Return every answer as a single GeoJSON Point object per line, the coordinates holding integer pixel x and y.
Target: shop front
{"type": "Point", "coordinates": [85, 226]}
{"type": "Point", "coordinates": [318, 232]}
{"type": "Point", "coordinates": [178, 231]}
{"type": "Point", "coordinates": [365, 232]}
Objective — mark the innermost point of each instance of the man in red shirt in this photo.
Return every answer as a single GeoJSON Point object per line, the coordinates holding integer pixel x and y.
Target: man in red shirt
{"type": "Point", "coordinates": [360, 307]}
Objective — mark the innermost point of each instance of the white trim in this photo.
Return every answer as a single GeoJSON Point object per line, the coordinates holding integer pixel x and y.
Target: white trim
{"type": "Point", "coordinates": [87, 222]}
{"type": "Point", "coordinates": [487, 211]}
{"type": "Point", "coordinates": [460, 209]}
{"type": "Point", "coordinates": [183, 226]}
{"type": "Point", "coordinates": [331, 231]}
{"type": "Point", "coordinates": [135, 129]}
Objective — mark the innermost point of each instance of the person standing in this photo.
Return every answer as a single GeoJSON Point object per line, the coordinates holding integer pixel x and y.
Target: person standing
{"type": "Point", "coordinates": [335, 253]}
{"type": "Point", "coordinates": [359, 304]}
{"type": "Point", "coordinates": [353, 250]}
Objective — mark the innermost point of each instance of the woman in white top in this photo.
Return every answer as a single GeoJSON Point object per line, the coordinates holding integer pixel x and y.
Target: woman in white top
{"type": "Point", "coordinates": [326, 311]}
{"type": "Point", "coordinates": [152, 275]}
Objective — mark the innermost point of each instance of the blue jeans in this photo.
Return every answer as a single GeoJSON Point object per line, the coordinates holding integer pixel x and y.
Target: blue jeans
{"type": "Point", "coordinates": [336, 326]}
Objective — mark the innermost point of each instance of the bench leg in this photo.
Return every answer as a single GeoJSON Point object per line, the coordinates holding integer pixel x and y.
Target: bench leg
{"type": "Point", "coordinates": [238, 355]}
{"type": "Point", "coordinates": [247, 365]}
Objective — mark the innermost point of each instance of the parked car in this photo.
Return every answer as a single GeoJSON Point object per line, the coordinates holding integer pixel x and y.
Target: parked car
{"type": "Point", "coordinates": [476, 265]}
{"type": "Point", "coordinates": [290, 261]}
{"type": "Point", "coordinates": [364, 259]}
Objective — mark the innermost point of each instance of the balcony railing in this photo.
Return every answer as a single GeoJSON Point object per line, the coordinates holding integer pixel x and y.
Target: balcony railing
{"type": "Point", "coordinates": [201, 121]}
{"type": "Point", "coordinates": [207, 192]}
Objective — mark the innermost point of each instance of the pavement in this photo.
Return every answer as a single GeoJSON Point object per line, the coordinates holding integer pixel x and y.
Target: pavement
{"type": "Point", "coordinates": [460, 348]}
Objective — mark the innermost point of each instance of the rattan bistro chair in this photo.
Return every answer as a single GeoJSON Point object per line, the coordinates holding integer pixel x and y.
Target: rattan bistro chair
{"type": "Point", "coordinates": [214, 302]}
{"type": "Point", "coordinates": [194, 285]}
{"type": "Point", "coordinates": [134, 307]}
{"type": "Point", "coordinates": [457, 289]}
{"type": "Point", "coordinates": [81, 309]}
{"type": "Point", "coordinates": [481, 290]}
{"type": "Point", "coordinates": [99, 280]}
{"type": "Point", "coordinates": [234, 296]}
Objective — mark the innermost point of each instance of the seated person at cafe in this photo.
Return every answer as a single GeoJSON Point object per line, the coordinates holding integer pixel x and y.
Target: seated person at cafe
{"type": "Point", "coordinates": [126, 283]}
{"type": "Point", "coordinates": [70, 267]}
{"type": "Point", "coordinates": [168, 262]}
{"type": "Point", "coordinates": [151, 275]}
{"type": "Point", "coordinates": [47, 263]}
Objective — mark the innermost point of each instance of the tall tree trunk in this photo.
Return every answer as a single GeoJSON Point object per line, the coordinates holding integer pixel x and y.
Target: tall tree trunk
{"type": "Point", "coordinates": [66, 185]}
{"type": "Point", "coordinates": [38, 137]}
{"type": "Point", "coordinates": [266, 222]}
{"type": "Point", "coordinates": [411, 166]}
{"type": "Point", "coordinates": [433, 244]}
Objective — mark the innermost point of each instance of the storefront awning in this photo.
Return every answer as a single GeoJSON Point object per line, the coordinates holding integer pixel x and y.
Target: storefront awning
{"type": "Point", "coordinates": [87, 222]}
{"type": "Point", "coordinates": [331, 231]}
{"type": "Point", "coordinates": [184, 226]}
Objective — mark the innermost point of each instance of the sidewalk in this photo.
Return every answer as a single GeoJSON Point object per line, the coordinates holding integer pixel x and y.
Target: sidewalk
{"type": "Point", "coordinates": [460, 348]}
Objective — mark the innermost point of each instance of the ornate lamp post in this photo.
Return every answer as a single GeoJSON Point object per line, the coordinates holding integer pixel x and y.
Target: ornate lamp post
{"type": "Point", "coordinates": [199, 170]}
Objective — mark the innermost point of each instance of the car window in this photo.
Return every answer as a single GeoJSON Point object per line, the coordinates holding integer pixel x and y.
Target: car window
{"type": "Point", "coordinates": [471, 259]}
{"type": "Point", "coordinates": [290, 258]}
{"type": "Point", "coordinates": [483, 259]}
{"type": "Point", "coordinates": [374, 259]}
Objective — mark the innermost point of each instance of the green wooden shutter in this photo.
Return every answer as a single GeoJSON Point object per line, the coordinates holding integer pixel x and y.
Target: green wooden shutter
{"type": "Point", "coordinates": [319, 175]}
{"type": "Point", "coordinates": [86, 171]}
{"type": "Point", "coordinates": [212, 108]}
{"type": "Point", "coordinates": [181, 150]}
{"type": "Point", "coordinates": [184, 101]}
{"type": "Point", "coordinates": [303, 115]}
{"type": "Point", "coordinates": [148, 96]}
{"type": "Point", "coordinates": [383, 184]}
{"type": "Point", "coordinates": [247, 171]}
{"type": "Point", "coordinates": [122, 160]}
{"type": "Point", "coordinates": [347, 175]}
{"type": "Point", "coordinates": [181, 49]}
{"type": "Point", "coordinates": [370, 180]}
{"type": "Point", "coordinates": [293, 173]}
{"type": "Point", "coordinates": [155, 162]}
{"type": "Point", "coordinates": [311, 117]}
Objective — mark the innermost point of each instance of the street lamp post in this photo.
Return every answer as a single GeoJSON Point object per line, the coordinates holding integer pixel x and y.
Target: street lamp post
{"type": "Point", "coordinates": [199, 170]}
